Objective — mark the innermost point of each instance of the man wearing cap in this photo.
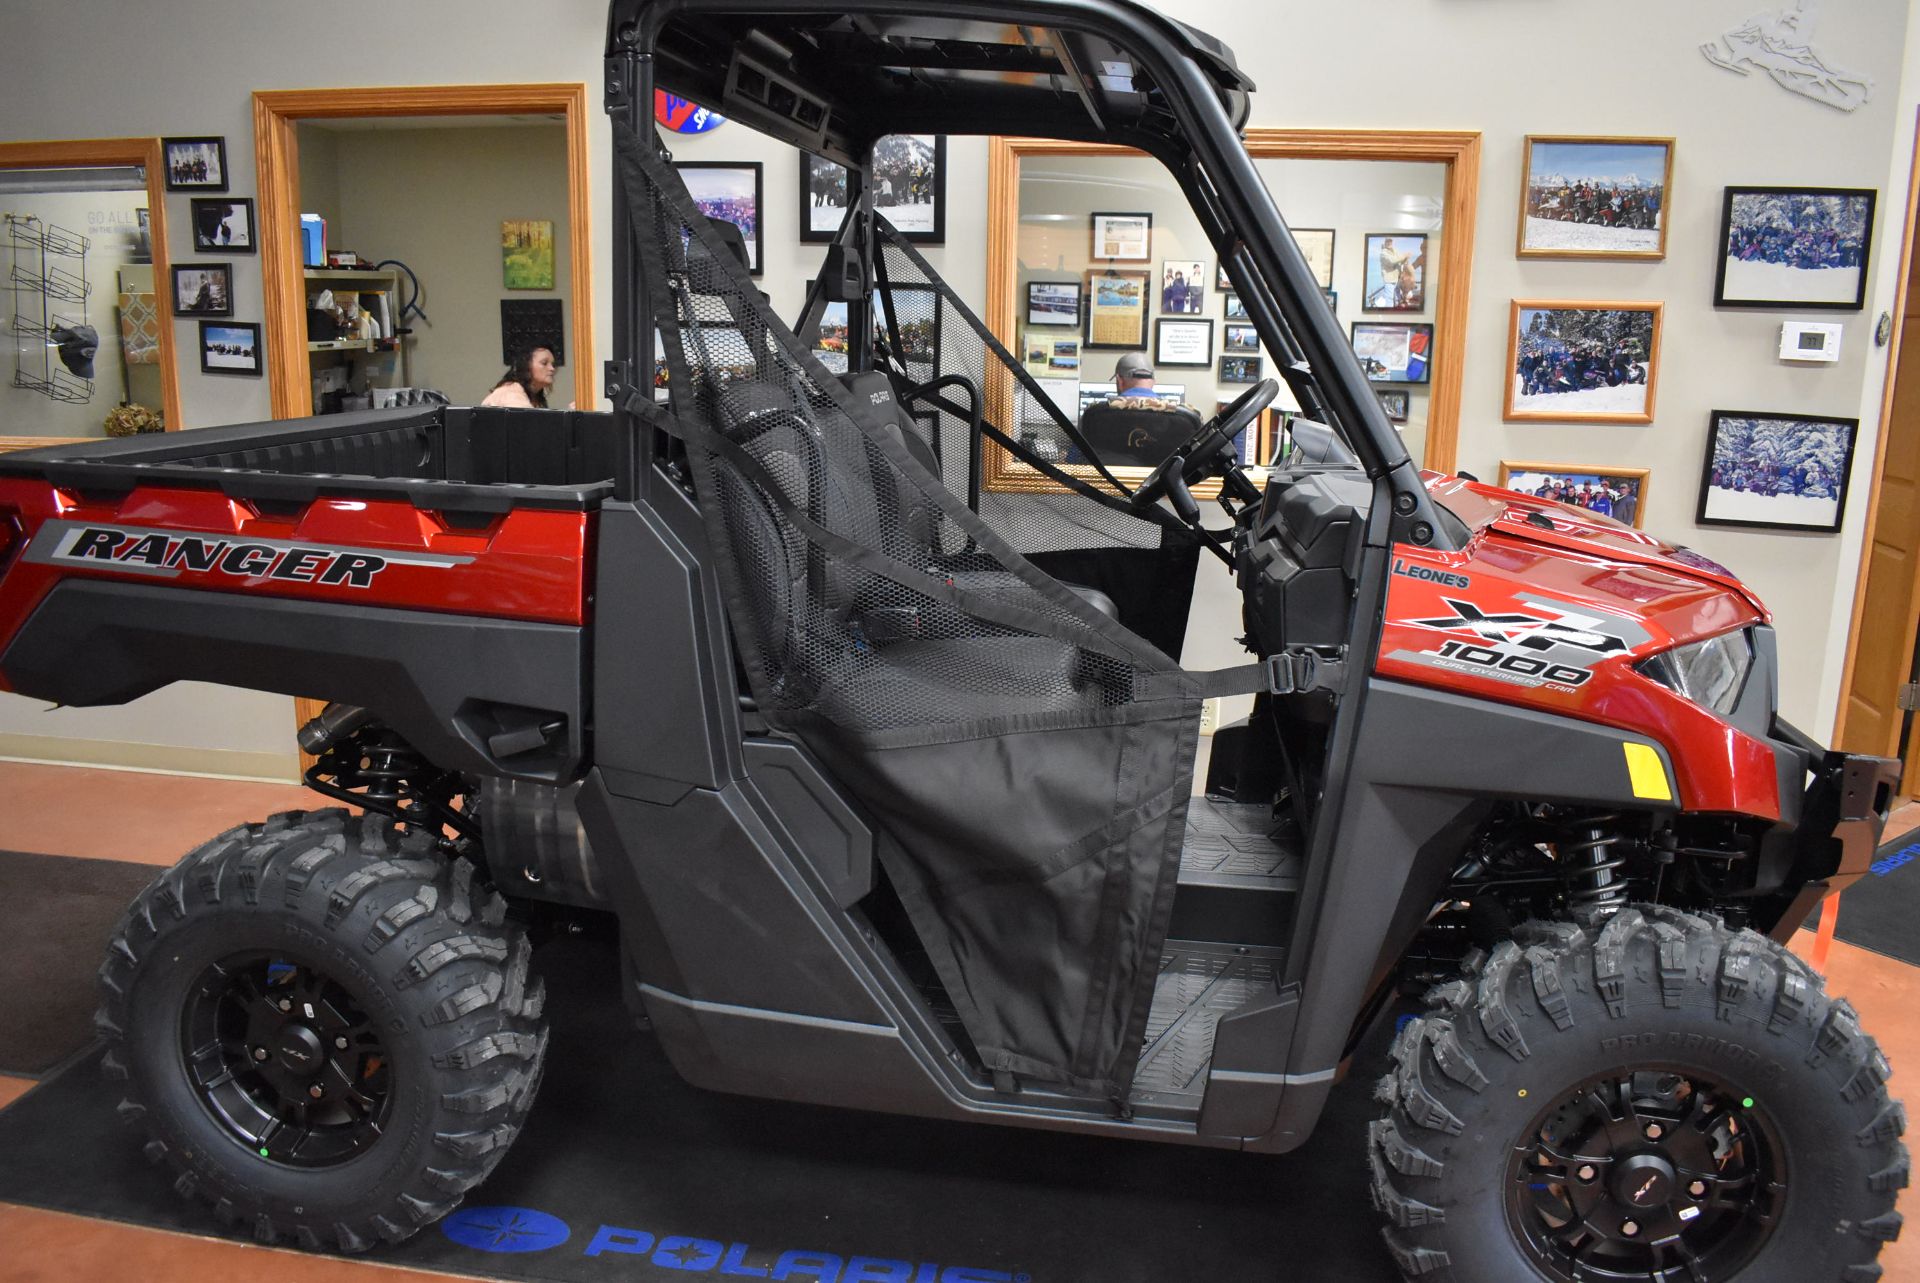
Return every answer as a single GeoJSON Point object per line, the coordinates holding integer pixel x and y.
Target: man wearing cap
{"type": "Point", "coordinates": [1135, 427]}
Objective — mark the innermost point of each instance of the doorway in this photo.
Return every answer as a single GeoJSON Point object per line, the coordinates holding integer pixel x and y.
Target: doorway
{"type": "Point", "coordinates": [1883, 645]}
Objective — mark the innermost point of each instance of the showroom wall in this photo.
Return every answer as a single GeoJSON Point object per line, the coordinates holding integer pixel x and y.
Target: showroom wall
{"type": "Point", "coordinates": [1488, 65]}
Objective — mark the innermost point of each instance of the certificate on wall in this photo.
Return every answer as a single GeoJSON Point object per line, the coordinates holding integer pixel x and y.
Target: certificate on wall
{"type": "Point", "coordinates": [1183, 343]}
{"type": "Point", "coordinates": [1117, 309]}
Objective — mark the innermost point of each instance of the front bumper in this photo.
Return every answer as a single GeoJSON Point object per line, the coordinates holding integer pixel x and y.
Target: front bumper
{"type": "Point", "coordinates": [1842, 816]}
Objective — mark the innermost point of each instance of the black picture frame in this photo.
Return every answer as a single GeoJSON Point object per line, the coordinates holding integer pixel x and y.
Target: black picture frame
{"type": "Point", "coordinates": [1241, 338]}
{"type": "Point", "coordinates": [1369, 265]}
{"type": "Point", "coordinates": [181, 157]}
{"type": "Point", "coordinates": [1420, 341]}
{"type": "Point", "coordinates": [1752, 495]}
{"type": "Point", "coordinates": [1864, 199]}
{"type": "Point", "coordinates": [1197, 324]}
{"type": "Point", "coordinates": [921, 338]}
{"type": "Point", "coordinates": [1232, 308]}
{"type": "Point", "coordinates": [183, 275]}
{"type": "Point", "coordinates": [817, 177]}
{"type": "Point", "coordinates": [1396, 403]}
{"type": "Point", "coordinates": [1136, 339]}
{"type": "Point", "coordinates": [1062, 287]}
{"type": "Point", "coordinates": [756, 238]}
{"type": "Point", "coordinates": [1240, 369]}
{"type": "Point", "coordinates": [213, 215]}
{"type": "Point", "coordinates": [225, 333]}
{"type": "Point", "coordinates": [1097, 243]}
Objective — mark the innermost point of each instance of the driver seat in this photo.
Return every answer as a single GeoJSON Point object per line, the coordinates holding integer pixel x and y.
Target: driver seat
{"type": "Point", "coordinates": [1138, 436]}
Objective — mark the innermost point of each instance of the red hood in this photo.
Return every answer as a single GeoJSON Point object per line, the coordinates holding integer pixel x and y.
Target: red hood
{"type": "Point", "coordinates": [1490, 510]}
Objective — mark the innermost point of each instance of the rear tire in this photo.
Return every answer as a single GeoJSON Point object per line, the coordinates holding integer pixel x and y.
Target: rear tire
{"type": "Point", "coordinates": [441, 1044]}
{"type": "Point", "coordinates": [1724, 1023]}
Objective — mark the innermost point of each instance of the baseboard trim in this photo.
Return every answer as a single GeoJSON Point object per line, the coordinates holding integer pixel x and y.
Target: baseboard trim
{"type": "Point", "coordinates": [158, 759]}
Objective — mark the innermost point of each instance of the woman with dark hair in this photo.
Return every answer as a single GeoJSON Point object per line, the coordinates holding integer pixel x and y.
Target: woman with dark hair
{"type": "Point", "coordinates": [524, 386]}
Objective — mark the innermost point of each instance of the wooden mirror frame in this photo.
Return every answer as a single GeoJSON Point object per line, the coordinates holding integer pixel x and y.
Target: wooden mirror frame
{"type": "Point", "coordinates": [276, 113]}
{"type": "Point", "coordinates": [144, 152]}
{"type": "Point", "coordinates": [1459, 151]}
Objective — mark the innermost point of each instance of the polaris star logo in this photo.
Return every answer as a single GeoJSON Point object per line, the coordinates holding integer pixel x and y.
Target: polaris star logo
{"type": "Point", "coordinates": [170, 554]}
{"type": "Point", "coordinates": [1640, 1195]}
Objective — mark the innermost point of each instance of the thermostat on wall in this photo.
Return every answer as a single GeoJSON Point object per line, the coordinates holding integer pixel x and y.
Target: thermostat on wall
{"type": "Point", "coordinates": [1809, 341]}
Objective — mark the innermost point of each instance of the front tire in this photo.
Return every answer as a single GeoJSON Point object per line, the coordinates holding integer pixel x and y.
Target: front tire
{"type": "Point", "coordinates": [1656, 1098]}
{"type": "Point", "coordinates": [326, 1029]}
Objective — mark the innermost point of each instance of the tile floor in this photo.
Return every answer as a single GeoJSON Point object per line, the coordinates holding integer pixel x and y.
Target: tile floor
{"type": "Point", "coordinates": [154, 819]}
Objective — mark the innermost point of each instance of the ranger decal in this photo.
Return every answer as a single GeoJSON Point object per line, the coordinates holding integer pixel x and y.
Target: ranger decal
{"type": "Point", "coordinates": [170, 553]}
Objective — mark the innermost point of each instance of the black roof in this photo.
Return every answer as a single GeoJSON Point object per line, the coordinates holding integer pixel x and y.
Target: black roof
{"type": "Point", "coordinates": [832, 76]}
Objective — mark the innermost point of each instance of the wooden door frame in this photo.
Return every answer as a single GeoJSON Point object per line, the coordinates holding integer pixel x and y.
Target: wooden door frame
{"type": "Point", "coordinates": [277, 113]}
{"type": "Point", "coordinates": [1458, 150]}
{"type": "Point", "coordinates": [1898, 311]}
{"type": "Point", "coordinates": [146, 153]}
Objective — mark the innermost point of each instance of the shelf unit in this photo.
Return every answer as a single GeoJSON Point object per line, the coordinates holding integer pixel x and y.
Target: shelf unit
{"type": "Point", "coordinates": [359, 280]}
{"type": "Point", "coordinates": [48, 266]}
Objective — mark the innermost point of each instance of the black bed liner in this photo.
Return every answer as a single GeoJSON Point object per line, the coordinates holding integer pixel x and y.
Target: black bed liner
{"type": "Point", "coordinates": [440, 458]}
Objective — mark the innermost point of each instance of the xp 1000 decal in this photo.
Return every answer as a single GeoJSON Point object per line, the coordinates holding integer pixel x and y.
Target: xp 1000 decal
{"type": "Point", "coordinates": [1535, 643]}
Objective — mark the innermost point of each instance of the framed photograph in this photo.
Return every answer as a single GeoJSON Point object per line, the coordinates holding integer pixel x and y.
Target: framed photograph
{"type": "Point", "coordinates": [1063, 358]}
{"type": "Point", "coordinates": [229, 348]}
{"type": "Point", "coordinates": [916, 311]}
{"type": "Point", "coordinates": [526, 253]}
{"type": "Point", "coordinates": [1239, 369]}
{"type": "Point", "coordinates": [1241, 338]}
{"type": "Point", "coordinates": [1236, 311]}
{"type": "Point", "coordinates": [1619, 493]}
{"type": "Point", "coordinates": [909, 188]}
{"type": "Point", "coordinates": [1316, 243]}
{"type": "Point", "coordinates": [1123, 238]}
{"type": "Point", "coordinates": [1396, 404]}
{"type": "Point", "coordinates": [1333, 300]}
{"type": "Point", "coordinates": [1220, 281]}
{"type": "Point", "coordinates": [202, 289]}
{"type": "Point", "coordinates": [1182, 343]}
{"type": "Point", "coordinates": [195, 164]}
{"type": "Point", "coordinates": [1117, 309]}
{"type": "Point", "coordinates": [1582, 362]}
{"type": "Point", "coordinates": [1396, 273]}
{"type": "Point", "coordinates": [1594, 197]}
{"type": "Point", "coordinates": [1777, 471]}
{"type": "Point", "coordinates": [223, 225]}
{"type": "Point", "coordinates": [1053, 303]}
{"type": "Point", "coordinates": [1394, 351]}
{"type": "Point", "coordinates": [830, 345]}
{"type": "Point", "coordinates": [1795, 247]}
{"type": "Point", "coordinates": [1183, 287]}
{"type": "Point", "coordinates": [729, 190]}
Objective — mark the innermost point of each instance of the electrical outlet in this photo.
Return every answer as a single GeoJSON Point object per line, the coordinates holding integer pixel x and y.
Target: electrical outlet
{"type": "Point", "coordinates": [1209, 717]}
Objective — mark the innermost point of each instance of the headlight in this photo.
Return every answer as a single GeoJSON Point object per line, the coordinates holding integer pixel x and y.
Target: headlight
{"type": "Point", "coordinates": [1710, 673]}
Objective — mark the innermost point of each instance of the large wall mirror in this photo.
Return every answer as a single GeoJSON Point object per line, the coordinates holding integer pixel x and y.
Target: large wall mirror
{"type": "Point", "coordinates": [1093, 253]}
{"type": "Point", "coordinates": [89, 348]}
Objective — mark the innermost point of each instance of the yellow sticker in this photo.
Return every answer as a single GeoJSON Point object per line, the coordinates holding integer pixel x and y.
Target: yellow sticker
{"type": "Point", "coordinates": [1648, 773]}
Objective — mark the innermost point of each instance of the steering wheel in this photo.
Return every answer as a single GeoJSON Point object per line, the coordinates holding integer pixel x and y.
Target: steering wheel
{"type": "Point", "coordinates": [1199, 452]}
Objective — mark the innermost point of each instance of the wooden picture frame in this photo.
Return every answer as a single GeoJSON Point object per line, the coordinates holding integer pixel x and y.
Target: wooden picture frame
{"type": "Point", "coordinates": [202, 289]}
{"type": "Point", "coordinates": [1126, 243]}
{"type": "Point", "coordinates": [1528, 478]}
{"type": "Point", "coordinates": [1578, 219]}
{"type": "Point", "coordinates": [1112, 324]}
{"type": "Point", "coordinates": [1183, 343]}
{"type": "Point", "coordinates": [215, 229]}
{"type": "Point", "coordinates": [1772, 495]}
{"type": "Point", "coordinates": [194, 164]}
{"type": "Point", "coordinates": [1564, 371]}
{"type": "Point", "coordinates": [231, 347]}
{"type": "Point", "coordinates": [1759, 271]}
{"type": "Point", "coordinates": [823, 187]}
{"type": "Point", "coordinates": [720, 195]}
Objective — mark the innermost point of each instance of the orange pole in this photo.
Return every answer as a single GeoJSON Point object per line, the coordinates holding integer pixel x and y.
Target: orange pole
{"type": "Point", "coordinates": [1823, 939]}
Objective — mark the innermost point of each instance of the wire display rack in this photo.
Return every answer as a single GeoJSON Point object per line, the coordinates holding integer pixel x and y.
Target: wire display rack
{"type": "Point", "coordinates": [47, 265]}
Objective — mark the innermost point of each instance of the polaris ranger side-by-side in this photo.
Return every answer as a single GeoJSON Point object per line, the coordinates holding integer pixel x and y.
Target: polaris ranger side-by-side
{"type": "Point", "coordinates": [887, 773]}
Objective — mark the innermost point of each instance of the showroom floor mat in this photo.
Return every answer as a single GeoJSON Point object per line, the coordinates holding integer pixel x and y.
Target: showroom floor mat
{"type": "Point", "coordinates": [1881, 911]}
{"type": "Point", "coordinates": [624, 1172]}
{"type": "Point", "coordinates": [55, 916]}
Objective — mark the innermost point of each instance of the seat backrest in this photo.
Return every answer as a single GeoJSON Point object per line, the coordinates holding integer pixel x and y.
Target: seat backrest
{"type": "Point", "coordinates": [1137, 436]}
{"type": "Point", "coordinates": [919, 516]}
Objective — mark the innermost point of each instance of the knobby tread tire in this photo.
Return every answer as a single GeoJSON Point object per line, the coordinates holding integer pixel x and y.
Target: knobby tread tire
{"type": "Point", "coordinates": [1467, 1077]}
{"type": "Point", "coordinates": [449, 982]}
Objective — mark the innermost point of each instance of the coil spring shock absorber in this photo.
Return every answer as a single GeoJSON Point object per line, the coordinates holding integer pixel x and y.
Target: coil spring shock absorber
{"type": "Point", "coordinates": [1594, 868]}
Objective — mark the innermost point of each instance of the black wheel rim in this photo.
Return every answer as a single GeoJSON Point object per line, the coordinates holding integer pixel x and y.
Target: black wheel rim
{"type": "Point", "coordinates": [286, 1060]}
{"type": "Point", "coordinates": [1654, 1175]}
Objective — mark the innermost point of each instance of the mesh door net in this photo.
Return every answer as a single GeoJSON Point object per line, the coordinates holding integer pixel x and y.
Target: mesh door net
{"type": "Point", "coordinates": [1029, 757]}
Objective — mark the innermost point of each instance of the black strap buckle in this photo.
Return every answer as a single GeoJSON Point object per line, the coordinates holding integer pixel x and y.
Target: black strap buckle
{"type": "Point", "coordinates": [1294, 672]}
